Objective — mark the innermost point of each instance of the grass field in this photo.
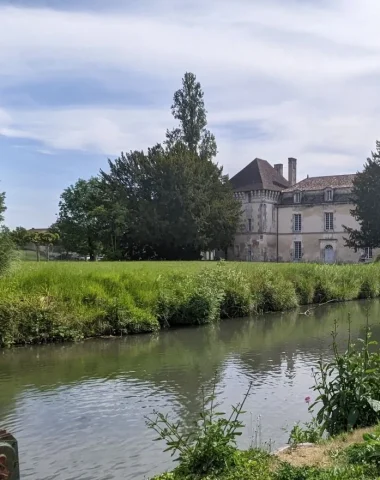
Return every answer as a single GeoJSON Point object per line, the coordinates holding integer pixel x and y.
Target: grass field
{"type": "Point", "coordinates": [59, 301]}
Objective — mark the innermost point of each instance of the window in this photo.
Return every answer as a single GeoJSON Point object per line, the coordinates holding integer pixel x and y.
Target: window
{"type": "Point", "coordinates": [249, 197]}
{"type": "Point", "coordinates": [329, 221]}
{"type": "Point", "coordinates": [329, 195]}
{"type": "Point", "coordinates": [237, 250]}
{"type": "Point", "coordinates": [249, 251]}
{"type": "Point", "coordinates": [297, 251]}
{"type": "Point", "coordinates": [249, 225]}
{"type": "Point", "coordinates": [297, 197]}
{"type": "Point", "coordinates": [297, 224]}
{"type": "Point", "coordinates": [368, 253]}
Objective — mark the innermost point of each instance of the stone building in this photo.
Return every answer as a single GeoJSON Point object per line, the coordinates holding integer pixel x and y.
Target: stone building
{"type": "Point", "coordinates": [286, 221]}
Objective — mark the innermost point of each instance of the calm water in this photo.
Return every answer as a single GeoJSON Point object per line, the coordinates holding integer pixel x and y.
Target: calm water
{"type": "Point", "coordinates": [78, 410]}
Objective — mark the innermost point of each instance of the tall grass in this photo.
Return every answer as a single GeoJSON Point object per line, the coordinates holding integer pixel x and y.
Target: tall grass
{"type": "Point", "coordinates": [67, 301]}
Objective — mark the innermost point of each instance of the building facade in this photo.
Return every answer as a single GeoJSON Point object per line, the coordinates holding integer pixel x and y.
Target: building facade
{"type": "Point", "coordinates": [286, 221]}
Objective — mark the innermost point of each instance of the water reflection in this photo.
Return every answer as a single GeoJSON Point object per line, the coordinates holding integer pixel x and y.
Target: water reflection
{"type": "Point", "coordinates": [78, 410]}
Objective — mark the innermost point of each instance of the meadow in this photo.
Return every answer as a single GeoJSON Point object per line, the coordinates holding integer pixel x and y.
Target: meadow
{"type": "Point", "coordinates": [58, 301]}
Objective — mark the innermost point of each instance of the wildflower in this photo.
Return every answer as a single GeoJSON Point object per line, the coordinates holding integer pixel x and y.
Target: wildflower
{"type": "Point", "coordinates": [307, 400]}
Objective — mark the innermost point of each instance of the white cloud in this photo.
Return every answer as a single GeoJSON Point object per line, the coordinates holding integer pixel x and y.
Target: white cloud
{"type": "Point", "coordinates": [297, 72]}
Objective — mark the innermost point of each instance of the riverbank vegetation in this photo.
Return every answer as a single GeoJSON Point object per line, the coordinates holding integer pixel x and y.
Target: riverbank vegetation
{"type": "Point", "coordinates": [71, 301]}
{"type": "Point", "coordinates": [348, 390]}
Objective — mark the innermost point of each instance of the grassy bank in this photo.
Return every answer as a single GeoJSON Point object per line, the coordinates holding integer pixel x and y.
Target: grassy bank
{"type": "Point", "coordinates": [68, 301]}
{"type": "Point", "coordinates": [345, 457]}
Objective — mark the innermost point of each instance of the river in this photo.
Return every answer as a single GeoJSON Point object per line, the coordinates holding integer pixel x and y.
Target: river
{"type": "Point", "coordinates": [78, 410]}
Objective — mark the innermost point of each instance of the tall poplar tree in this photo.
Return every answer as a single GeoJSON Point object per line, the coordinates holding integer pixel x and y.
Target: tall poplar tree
{"type": "Point", "coordinates": [189, 108]}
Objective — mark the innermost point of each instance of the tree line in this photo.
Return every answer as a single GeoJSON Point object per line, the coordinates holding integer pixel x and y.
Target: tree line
{"type": "Point", "coordinates": [172, 201]}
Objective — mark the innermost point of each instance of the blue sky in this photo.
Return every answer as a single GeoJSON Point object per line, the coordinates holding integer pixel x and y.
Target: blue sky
{"type": "Point", "coordinates": [82, 80]}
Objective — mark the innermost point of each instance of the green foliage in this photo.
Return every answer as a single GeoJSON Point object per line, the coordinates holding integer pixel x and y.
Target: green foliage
{"type": "Point", "coordinates": [20, 237]}
{"type": "Point", "coordinates": [310, 432]}
{"type": "Point", "coordinates": [120, 298]}
{"type": "Point", "coordinates": [348, 386]}
{"type": "Point", "coordinates": [192, 299]}
{"type": "Point", "coordinates": [178, 204]}
{"type": "Point", "coordinates": [171, 202]}
{"type": "Point", "coordinates": [210, 449]}
{"type": "Point", "coordinates": [46, 239]}
{"type": "Point", "coordinates": [188, 107]}
{"type": "Point", "coordinates": [248, 465]}
{"type": "Point", "coordinates": [272, 292]}
{"type": "Point", "coordinates": [79, 222]}
{"type": "Point", "coordinates": [366, 200]}
{"type": "Point", "coordinates": [2, 206]}
{"type": "Point", "coordinates": [289, 472]}
{"type": "Point", "coordinates": [36, 320]}
{"type": "Point", "coordinates": [366, 453]}
{"type": "Point", "coordinates": [7, 252]}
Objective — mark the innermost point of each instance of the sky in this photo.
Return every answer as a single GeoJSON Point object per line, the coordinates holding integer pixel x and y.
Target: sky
{"type": "Point", "coordinates": [83, 80]}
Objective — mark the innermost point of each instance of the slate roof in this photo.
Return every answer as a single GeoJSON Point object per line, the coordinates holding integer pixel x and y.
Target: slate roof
{"type": "Point", "coordinates": [320, 183]}
{"type": "Point", "coordinates": [258, 175]}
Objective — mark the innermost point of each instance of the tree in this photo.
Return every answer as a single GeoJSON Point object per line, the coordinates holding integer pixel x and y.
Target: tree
{"type": "Point", "coordinates": [177, 203]}
{"type": "Point", "coordinates": [6, 245]}
{"type": "Point", "coordinates": [189, 108]}
{"type": "Point", "coordinates": [78, 219]}
{"type": "Point", "coordinates": [2, 206]}
{"type": "Point", "coordinates": [20, 237]}
{"type": "Point", "coordinates": [366, 200]}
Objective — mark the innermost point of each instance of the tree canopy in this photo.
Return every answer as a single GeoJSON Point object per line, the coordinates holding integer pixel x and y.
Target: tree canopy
{"type": "Point", "coordinates": [177, 204]}
{"type": "Point", "coordinates": [79, 217]}
{"type": "Point", "coordinates": [189, 108]}
{"type": "Point", "coordinates": [366, 200]}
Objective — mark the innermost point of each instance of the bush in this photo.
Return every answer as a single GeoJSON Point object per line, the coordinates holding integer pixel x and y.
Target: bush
{"type": "Point", "coordinates": [367, 453]}
{"type": "Point", "coordinates": [36, 320]}
{"type": "Point", "coordinates": [311, 432]}
{"type": "Point", "coordinates": [348, 387]}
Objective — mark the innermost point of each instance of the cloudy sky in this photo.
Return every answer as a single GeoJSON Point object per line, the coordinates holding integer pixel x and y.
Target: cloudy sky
{"type": "Point", "coordinates": [82, 80]}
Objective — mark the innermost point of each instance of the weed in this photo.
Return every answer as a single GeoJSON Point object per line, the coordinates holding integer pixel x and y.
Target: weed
{"type": "Point", "coordinates": [348, 386]}
{"type": "Point", "coordinates": [311, 432]}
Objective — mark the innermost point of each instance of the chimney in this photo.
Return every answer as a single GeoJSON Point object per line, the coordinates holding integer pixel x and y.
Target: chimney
{"type": "Point", "coordinates": [279, 167]}
{"type": "Point", "coordinates": [292, 170]}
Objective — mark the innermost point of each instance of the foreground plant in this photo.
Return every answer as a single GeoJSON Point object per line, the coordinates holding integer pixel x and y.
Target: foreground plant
{"type": "Point", "coordinates": [348, 386]}
{"type": "Point", "coordinates": [209, 449]}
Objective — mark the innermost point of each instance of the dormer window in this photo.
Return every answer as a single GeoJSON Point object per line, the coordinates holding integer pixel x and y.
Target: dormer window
{"type": "Point", "coordinates": [329, 195]}
{"type": "Point", "coordinates": [297, 197]}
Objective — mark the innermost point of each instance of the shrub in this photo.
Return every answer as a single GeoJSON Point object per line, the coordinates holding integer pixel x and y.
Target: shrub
{"type": "Point", "coordinates": [367, 453]}
{"type": "Point", "coordinates": [348, 387]}
{"type": "Point", "coordinates": [36, 320]}
{"type": "Point", "coordinates": [311, 432]}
